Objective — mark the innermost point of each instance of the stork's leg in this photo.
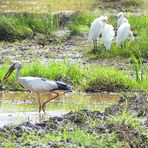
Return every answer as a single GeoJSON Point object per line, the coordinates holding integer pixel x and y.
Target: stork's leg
{"type": "Point", "coordinates": [56, 94]}
{"type": "Point", "coordinates": [39, 102]}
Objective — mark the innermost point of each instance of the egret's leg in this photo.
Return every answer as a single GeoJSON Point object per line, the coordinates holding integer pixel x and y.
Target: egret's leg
{"type": "Point", "coordinates": [95, 46]}
{"type": "Point", "coordinates": [56, 95]}
{"type": "Point", "coordinates": [39, 102]}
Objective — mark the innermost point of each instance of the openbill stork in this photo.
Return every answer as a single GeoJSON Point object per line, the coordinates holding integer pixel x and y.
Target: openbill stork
{"type": "Point", "coordinates": [38, 85]}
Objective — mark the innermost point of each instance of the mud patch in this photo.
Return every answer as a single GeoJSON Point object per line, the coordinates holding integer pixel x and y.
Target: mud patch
{"type": "Point", "coordinates": [90, 122]}
{"type": "Point", "coordinates": [135, 104]}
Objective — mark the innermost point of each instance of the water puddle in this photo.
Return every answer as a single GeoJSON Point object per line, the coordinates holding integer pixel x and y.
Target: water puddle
{"type": "Point", "coordinates": [17, 107]}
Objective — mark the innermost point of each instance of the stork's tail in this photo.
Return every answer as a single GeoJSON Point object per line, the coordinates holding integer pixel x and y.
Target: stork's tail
{"type": "Point", "coordinates": [63, 86]}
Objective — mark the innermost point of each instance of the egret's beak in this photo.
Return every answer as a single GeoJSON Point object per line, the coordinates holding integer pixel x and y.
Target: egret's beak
{"type": "Point", "coordinates": [11, 69]}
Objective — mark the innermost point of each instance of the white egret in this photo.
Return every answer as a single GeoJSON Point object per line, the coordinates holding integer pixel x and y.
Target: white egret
{"type": "Point", "coordinates": [121, 19]}
{"type": "Point", "coordinates": [108, 35]}
{"type": "Point", "coordinates": [96, 29]}
{"type": "Point", "coordinates": [38, 85]}
{"type": "Point", "coordinates": [123, 32]}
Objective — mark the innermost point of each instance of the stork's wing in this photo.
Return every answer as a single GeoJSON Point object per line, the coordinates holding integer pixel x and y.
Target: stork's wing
{"type": "Point", "coordinates": [64, 86]}
{"type": "Point", "coordinates": [38, 84]}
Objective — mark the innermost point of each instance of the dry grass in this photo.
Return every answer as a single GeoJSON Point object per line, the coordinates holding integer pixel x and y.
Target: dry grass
{"type": "Point", "coordinates": [43, 6]}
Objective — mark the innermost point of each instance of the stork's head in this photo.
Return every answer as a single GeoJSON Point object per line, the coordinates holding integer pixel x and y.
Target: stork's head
{"type": "Point", "coordinates": [120, 15]}
{"type": "Point", "coordinates": [15, 65]}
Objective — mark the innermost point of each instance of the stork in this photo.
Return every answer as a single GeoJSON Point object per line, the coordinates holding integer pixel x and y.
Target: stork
{"type": "Point", "coordinates": [38, 85]}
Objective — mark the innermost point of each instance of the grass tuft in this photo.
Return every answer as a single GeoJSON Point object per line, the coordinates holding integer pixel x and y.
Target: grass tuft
{"type": "Point", "coordinates": [90, 77]}
{"type": "Point", "coordinates": [25, 25]}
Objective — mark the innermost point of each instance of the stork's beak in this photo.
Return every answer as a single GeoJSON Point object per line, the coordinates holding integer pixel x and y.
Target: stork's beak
{"type": "Point", "coordinates": [11, 69]}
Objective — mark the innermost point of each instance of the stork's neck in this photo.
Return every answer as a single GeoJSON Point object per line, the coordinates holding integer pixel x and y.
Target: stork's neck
{"type": "Point", "coordinates": [17, 73]}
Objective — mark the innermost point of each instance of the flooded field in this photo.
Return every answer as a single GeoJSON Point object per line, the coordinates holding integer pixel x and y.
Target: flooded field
{"type": "Point", "coordinates": [17, 107]}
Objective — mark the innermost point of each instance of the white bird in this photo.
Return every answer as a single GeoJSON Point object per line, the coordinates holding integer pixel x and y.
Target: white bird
{"type": "Point", "coordinates": [96, 29]}
{"type": "Point", "coordinates": [38, 85]}
{"type": "Point", "coordinates": [121, 19]}
{"type": "Point", "coordinates": [108, 35]}
{"type": "Point", "coordinates": [123, 32]}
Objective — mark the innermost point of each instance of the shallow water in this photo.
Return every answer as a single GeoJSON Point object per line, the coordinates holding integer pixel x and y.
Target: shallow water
{"type": "Point", "coordinates": [17, 107]}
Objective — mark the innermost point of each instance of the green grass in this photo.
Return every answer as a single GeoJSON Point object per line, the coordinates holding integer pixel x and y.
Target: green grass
{"type": "Point", "coordinates": [80, 22]}
{"type": "Point", "coordinates": [90, 77]}
{"type": "Point", "coordinates": [78, 138]}
{"type": "Point", "coordinates": [25, 25]}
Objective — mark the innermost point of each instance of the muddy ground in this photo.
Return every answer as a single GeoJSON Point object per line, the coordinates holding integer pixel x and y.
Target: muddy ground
{"type": "Point", "coordinates": [136, 104]}
{"type": "Point", "coordinates": [61, 46]}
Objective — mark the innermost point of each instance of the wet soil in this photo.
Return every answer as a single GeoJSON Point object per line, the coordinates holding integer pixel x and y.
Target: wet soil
{"type": "Point", "coordinates": [59, 47]}
{"type": "Point", "coordinates": [62, 46]}
{"type": "Point", "coordinates": [135, 104]}
{"type": "Point", "coordinates": [121, 5]}
{"type": "Point", "coordinates": [81, 119]}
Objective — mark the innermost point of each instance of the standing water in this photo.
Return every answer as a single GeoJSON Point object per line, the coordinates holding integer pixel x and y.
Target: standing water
{"type": "Point", "coordinates": [17, 107]}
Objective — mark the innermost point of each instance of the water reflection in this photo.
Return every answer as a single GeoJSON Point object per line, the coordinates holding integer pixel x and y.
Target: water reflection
{"type": "Point", "coordinates": [16, 107]}
{"type": "Point", "coordinates": [27, 102]}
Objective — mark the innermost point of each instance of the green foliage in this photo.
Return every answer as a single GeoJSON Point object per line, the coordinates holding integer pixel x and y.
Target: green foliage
{"type": "Point", "coordinates": [84, 78]}
{"type": "Point", "coordinates": [80, 22]}
{"type": "Point", "coordinates": [78, 137]}
{"type": "Point", "coordinates": [137, 60]}
{"type": "Point", "coordinates": [24, 25]}
{"type": "Point", "coordinates": [126, 118]}
{"type": "Point", "coordinates": [75, 29]}
{"type": "Point", "coordinates": [83, 18]}
{"type": "Point", "coordinates": [111, 78]}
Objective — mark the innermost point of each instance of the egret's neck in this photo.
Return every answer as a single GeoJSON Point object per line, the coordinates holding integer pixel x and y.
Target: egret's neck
{"type": "Point", "coordinates": [121, 17]}
{"type": "Point", "coordinates": [17, 73]}
{"type": "Point", "coordinates": [104, 24]}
